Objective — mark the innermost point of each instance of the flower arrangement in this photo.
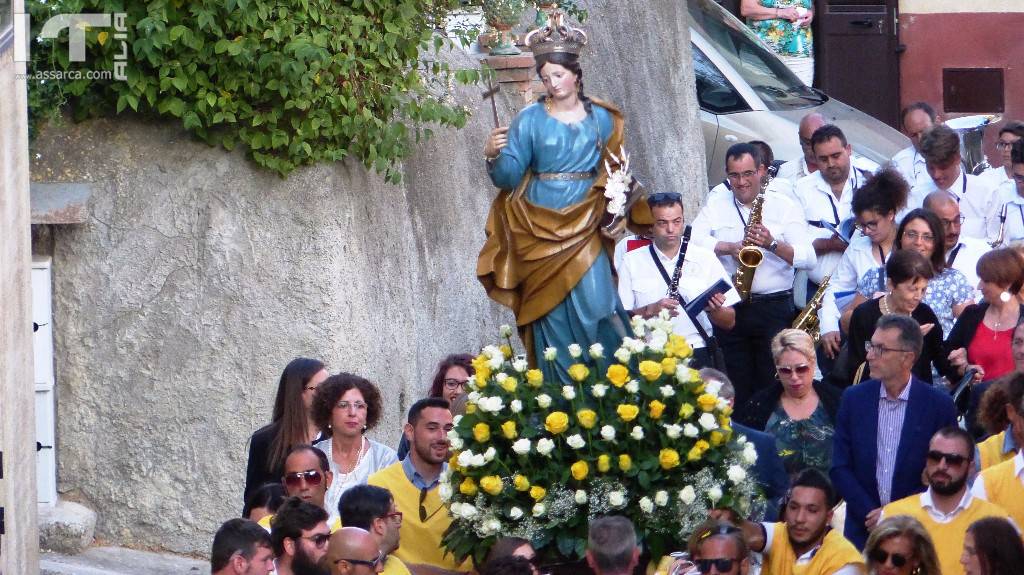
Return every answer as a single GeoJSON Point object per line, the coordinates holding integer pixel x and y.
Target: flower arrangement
{"type": "Point", "coordinates": [637, 434]}
{"type": "Point", "coordinates": [619, 184]}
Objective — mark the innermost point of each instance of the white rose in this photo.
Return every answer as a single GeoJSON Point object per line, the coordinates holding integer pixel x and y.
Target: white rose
{"type": "Point", "coordinates": [491, 526]}
{"type": "Point", "coordinates": [658, 340]}
{"type": "Point", "coordinates": [575, 351]}
{"type": "Point", "coordinates": [545, 446]}
{"type": "Point", "coordinates": [489, 454]}
{"type": "Point", "coordinates": [636, 345]}
{"type": "Point", "coordinates": [465, 458]}
{"type": "Point", "coordinates": [713, 387]}
{"type": "Point", "coordinates": [687, 495]}
{"type": "Point", "coordinates": [639, 325]}
{"type": "Point", "coordinates": [616, 499]}
{"type": "Point", "coordinates": [623, 354]}
{"type": "Point", "coordinates": [505, 330]}
{"type": "Point", "coordinates": [455, 421]}
{"type": "Point", "coordinates": [456, 442]}
{"type": "Point", "coordinates": [495, 362]}
{"type": "Point", "coordinates": [580, 496]}
{"type": "Point", "coordinates": [455, 508]}
{"type": "Point", "coordinates": [539, 509]}
{"type": "Point", "coordinates": [736, 473]}
{"type": "Point", "coordinates": [690, 430]}
{"type": "Point", "coordinates": [473, 397]}
{"type": "Point", "coordinates": [633, 386]}
{"type": "Point", "coordinates": [597, 351]}
{"type": "Point", "coordinates": [569, 392]}
{"type": "Point", "coordinates": [467, 511]}
{"type": "Point", "coordinates": [599, 389]}
{"type": "Point", "coordinates": [516, 406]}
{"type": "Point", "coordinates": [520, 365]}
{"type": "Point", "coordinates": [478, 460]}
{"type": "Point", "coordinates": [491, 404]}
{"type": "Point", "coordinates": [661, 498]}
{"type": "Point", "coordinates": [521, 446]}
{"type": "Point", "coordinates": [471, 383]}
{"type": "Point", "coordinates": [672, 431]}
{"type": "Point", "coordinates": [708, 422]}
{"type": "Point", "coordinates": [608, 432]}
{"type": "Point", "coordinates": [444, 491]}
{"type": "Point", "coordinates": [683, 374]}
{"type": "Point", "coordinates": [646, 505]}
{"type": "Point", "coordinates": [667, 391]}
{"type": "Point", "coordinates": [515, 513]}
{"type": "Point", "coordinates": [544, 400]}
{"type": "Point", "coordinates": [749, 454]}
{"type": "Point", "coordinates": [550, 353]}
{"type": "Point", "coordinates": [500, 378]}
{"type": "Point", "coordinates": [637, 433]}
{"type": "Point", "coordinates": [715, 494]}
{"type": "Point", "coordinates": [575, 441]}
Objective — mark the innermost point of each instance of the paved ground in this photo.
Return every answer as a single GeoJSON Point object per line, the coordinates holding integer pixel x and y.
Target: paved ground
{"type": "Point", "coordinates": [120, 561]}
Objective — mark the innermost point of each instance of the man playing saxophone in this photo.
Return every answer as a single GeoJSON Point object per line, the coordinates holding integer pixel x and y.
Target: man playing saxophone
{"type": "Point", "coordinates": [726, 225]}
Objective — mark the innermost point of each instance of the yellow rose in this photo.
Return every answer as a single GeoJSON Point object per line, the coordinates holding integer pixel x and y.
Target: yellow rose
{"type": "Point", "coordinates": [509, 384]}
{"type": "Point", "coordinates": [520, 482]}
{"type": "Point", "coordinates": [702, 445]}
{"type": "Point", "coordinates": [453, 461]}
{"type": "Point", "coordinates": [556, 422]}
{"type": "Point", "coordinates": [534, 377]}
{"type": "Point", "coordinates": [506, 350]}
{"type": "Point", "coordinates": [470, 408]}
{"type": "Point", "coordinates": [625, 462]}
{"type": "Point", "coordinates": [655, 409]}
{"type": "Point", "coordinates": [538, 492]}
{"type": "Point", "coordinates": [686, 410]}
{"type": "Point", "coordinates": [508, 429]}
{"type": "Point", "coordinates": [481, 432]}
{"type": "Point", "coordinates": [727, 411]}
{"type": "Point", "coordinates": [491, 484]}
{"type": "Point", "coordinates": [707, 402]}
{"type": "Point", "coordinates": [580, 470]}
{"type": "Point", "coordinates": [717, 438]}
{"type": "Point", "coordinates": [481, 369]}
{"type": "Point", "coordinates": [587, 418]}
{"type": "Point", "coordinates": [468, 487]}
{"type": "Point", "coordinates": [694, 454]}
{"type": "Point", "coordinates": [677, 347]}
{"type": "Point", "coordinates": [627, 412]}
{"type": "Point", "coordinates": [668, 365]}
{"type": "Point", "coordinates": [617, 374]}
{"type": "Point", "coordinates": [578, 372]}
{"type": "Point", "coordinates": [668, 458]}
{"type": "Point", "coordinates": [651, 370]}
{"type": "Point", "coordinates": [604, 463]}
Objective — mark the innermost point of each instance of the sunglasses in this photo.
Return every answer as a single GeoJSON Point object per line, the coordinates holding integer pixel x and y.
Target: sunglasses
{"type": "Point", "coordinates": [880, 557]}
{"type": "Point", "coordinates": [371, 564]}
{"type": "Point", "coordinates": [953, 459]}
{"type": "Point", "coordinates": [423, 508]}
{"type": "Point", "coordinates": [662, 198]}
{"type": "Point", "coordinates": [788, 370]}
{"type": "Point", "coordinates": [320, 539]}
{"type": "Point", "coordinates": [311, 477]}
{"type": "Point", "coordinates": [722, 565]}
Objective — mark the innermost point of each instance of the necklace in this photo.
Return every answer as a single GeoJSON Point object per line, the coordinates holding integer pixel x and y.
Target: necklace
{"type": "Point", "coordinates": [998, 320]}
{"type": "Point", "coordinates": [344, 477]}
{"type": "Point", "coordinates": [883, 304]}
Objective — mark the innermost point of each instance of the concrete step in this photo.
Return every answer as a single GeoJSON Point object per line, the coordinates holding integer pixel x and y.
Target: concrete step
{"type": "Point", "coordinates": [120, 561]}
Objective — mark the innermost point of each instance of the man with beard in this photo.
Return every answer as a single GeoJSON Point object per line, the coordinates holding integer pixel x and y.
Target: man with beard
{"type": "Point", "coordinates": [414, 481]}
{"type": "Point", "coordinates": [372, 508]}
{"type": "Point", "coordinates": [804, 542]}
{"type": "Point", "coordinates": [307, 475]}
{"type": "Point", "coordinates": [947, 508]}
{"type": "Point", "coordinates": [299, 534]}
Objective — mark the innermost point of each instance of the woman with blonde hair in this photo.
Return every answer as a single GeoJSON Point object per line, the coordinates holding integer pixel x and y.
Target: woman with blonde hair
{"type": "Point", "coordinates": [797, 410]}
{"type": "Point", "coordinates": [900, 546]}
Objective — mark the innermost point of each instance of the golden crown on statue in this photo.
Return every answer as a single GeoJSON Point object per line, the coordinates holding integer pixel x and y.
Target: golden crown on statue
{"type": "Point", "coordinates": [556, 36]}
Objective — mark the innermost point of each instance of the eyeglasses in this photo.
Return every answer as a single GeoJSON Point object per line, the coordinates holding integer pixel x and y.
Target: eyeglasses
{"type": "Point", "coordinates": [394, 515]}
{"type": "Point", "coordinates": [867, 226]}
{"type": "Point", "coordinates": [880, 349]}
{"type": "Point", "coordinates": [311, 477]}
{"type": "Point", "coordinates": [423, 508]}
{"type": "Point", "coordinates": [737, 176]}
{"type": "Point", "coordinates": [319, 539]}
{"type": "Point", "coordinates": [952, 459]}
{"type": "Point", "coordinates": [788, 370]}
{"type": "Point", "coordinates": [880, 556]}
{"type": "Point", "coordinates": [1001, 145]}
{"type": "Point", "coordinates": [371, 564]}
{"type": "Point", "coordinates": [954, 222]}
{"type": "Point", "coordinates": [722, 565]}
{"type": "Point", "coordinates": [914, 236]}
{"type": "Point", "coordinates": [356, 405]}
{"type": "Point", "coordinates": [454, 383]}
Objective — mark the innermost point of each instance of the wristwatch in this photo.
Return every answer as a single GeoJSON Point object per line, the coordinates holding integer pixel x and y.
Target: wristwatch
{"type": "Point", "coordinates": [773, 246]}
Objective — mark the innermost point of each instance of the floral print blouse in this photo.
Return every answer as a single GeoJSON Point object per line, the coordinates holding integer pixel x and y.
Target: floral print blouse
{"type": "Point", "coordinates": [781, 35]}
{"type": "Point", "coordinates": [945, 290]}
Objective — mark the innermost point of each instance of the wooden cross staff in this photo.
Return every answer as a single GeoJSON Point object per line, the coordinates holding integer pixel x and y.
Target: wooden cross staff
{"type": "Point", "coordinates": [491, 92]}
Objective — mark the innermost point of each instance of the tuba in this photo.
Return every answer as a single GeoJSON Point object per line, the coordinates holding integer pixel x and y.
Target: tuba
{"type": "Point", "coordinates": [750, 256]}
{"type": "Point", "coordinates": [808, 319]}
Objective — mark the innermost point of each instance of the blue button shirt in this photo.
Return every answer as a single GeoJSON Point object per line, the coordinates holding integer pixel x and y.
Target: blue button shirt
{"type": "Point", "coordinates": [418, 480]}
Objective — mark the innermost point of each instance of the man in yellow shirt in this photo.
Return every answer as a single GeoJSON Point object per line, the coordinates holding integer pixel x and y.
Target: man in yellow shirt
{"type": "Point", "coordinates": [946, 509]}
{"type": "Point", "coordinates": [804, 544]}
{"type": "Point", "coordinates": [373, 508]}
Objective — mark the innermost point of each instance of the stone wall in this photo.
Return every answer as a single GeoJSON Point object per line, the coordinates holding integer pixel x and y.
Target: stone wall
{"type": "Point", "coordinates": [199, 276]}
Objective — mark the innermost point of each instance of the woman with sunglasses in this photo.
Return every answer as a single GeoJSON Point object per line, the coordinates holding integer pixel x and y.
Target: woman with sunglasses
{"type": "Point", "coordinates": [291, 423]}
{"type": "Point", "coordinates": [992, 546]}
{"type": "Point", "coordinates": [901, 546]}
{"type": "Point", "coordinates": [449, 383]}
{"type": "Point", "coordinates": [346, 407]}
{"type": "Point", "coordinates": [799, 411]}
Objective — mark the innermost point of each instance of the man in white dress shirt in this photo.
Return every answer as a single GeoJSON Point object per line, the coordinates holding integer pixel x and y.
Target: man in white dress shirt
{"type": "Point", "coordinates": [806, 164]}
{"type": "Point", "coordinates": [940, 147]}
{"type": "Point", "coordinates": [1010, 203]}
{"type": "Point", "coordinates": [785, 243]}
{"type": "Point", "coordinates": [962, 252]}
{"type": "Point", "coordinates": [644, 284]}
{"type": "Point", "coordinates": [1012, 131]}
{"type": "Point", "coordinates": [777, 184]}
{"type": "Point", "coordinates": [915, 120]}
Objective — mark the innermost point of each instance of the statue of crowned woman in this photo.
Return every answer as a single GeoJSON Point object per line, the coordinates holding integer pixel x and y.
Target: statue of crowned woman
{"type": "Point", "coordinates": [549, 234]}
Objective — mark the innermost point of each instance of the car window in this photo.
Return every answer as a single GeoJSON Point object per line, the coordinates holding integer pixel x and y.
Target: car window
{"type": "Point", "coordinates": [714, 92]}
{"type": "Point", "coordinates": [774, 83]}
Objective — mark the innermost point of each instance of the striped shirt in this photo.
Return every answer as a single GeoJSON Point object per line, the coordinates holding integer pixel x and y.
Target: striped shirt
{"type": "Point", "coordinates": [891, 413]}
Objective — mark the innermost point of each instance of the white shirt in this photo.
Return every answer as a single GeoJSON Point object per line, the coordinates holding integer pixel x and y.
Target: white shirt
{"type": "Point", "coordinates": [928, 504]}
{"type": "Point", "coordinates": [1007, 198]}
{"type": "Point", "coordinates": [975, 196]}
{"type": "Point", "coordinates": [793, 170]}
{"type": "Point", "coordinates": [995, 176]}
{"type": "Point", "coordinates": [858, 258]}
{"type": "Point", "coordinates": [819, 203]}
{"type": "Point", "coordinates": [978, 489]}
{"type": "Point", "coordinates": [623, 247]}
{"type": "Point", "coordinates": [769, 529]}
{"type": "Point", "coordinates": [966, 261]}
{"type": "Point", "coordinates": [640, 283]}
{"type": "Point", "coordinates": [911, 165]}
{"type": "Point", "coordinates": [725, 220]}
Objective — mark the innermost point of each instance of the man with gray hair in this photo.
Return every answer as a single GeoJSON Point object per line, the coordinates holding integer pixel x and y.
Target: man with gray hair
{"type": "Point", "coordinates": [611, 546]}
{"type": "Point", "coordinates": [887, 419]}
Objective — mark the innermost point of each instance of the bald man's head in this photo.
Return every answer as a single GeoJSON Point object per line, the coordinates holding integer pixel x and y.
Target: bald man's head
{"type": "Point", "coordinates": [350, 544]}
{"type": "Point", "coordinates": [808, 125]}
{"type": "Point", "coordinates": [943, 205]}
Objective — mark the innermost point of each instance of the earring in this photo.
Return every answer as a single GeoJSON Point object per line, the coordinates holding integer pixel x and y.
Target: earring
{"type": "Point", "coordinates": [1005, 297]}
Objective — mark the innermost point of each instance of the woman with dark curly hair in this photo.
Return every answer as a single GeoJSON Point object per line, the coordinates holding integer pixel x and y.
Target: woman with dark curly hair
{"type": "Point", "coordinates": [345, 407]}
{"type": "Point", "coordinates": [1000, 415]}
{"type": "Point", "coordinates": [992, 546]}
{"type": "Point", "coordinates": [449, 383]}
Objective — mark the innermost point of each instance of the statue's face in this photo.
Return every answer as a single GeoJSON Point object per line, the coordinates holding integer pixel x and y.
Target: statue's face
{"type": "Point", "coordinates": [558, 80]}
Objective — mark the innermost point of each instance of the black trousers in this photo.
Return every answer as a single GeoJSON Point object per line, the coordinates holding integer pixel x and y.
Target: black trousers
{"type": "Point", "coordinates": [747, 346]}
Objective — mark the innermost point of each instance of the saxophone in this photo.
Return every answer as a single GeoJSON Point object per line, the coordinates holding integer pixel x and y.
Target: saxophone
{"type": "Point", "coordinates": [750, 255]}
{"type": "Point", "coordinates": [808, 318]}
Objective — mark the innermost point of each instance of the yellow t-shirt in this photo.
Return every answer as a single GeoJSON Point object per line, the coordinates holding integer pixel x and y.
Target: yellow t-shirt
{"type": "Point", "coordinates": [835, 553]}
{"type": "Point", "coordinates": [1004, 489]}
{"type": "Point", "coordinates": [394, 566]}
{"type": "Point", "coordinates": [991, 452]}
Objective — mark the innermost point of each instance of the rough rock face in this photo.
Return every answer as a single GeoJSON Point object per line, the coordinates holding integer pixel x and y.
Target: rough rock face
{"type": "Point", "coordinates": [199, 276]}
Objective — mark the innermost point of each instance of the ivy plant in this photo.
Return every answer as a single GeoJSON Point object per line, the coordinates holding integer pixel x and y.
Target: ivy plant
{"type": "Point", "coordinates": [295, 82]}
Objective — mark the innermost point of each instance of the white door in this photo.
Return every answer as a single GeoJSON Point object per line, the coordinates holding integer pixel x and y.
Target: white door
{"type": "Point", "coordinates": [42, 351]}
